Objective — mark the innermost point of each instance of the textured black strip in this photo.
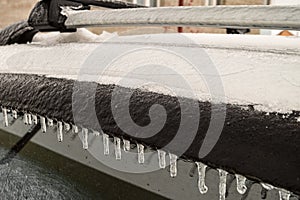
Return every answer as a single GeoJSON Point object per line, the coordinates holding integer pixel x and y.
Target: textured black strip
{"type": "Point", "coordinates": [262, 147]}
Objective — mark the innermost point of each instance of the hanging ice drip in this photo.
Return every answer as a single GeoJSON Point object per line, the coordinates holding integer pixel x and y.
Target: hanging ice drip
{"type": "Point", "coordinates": [15, 114]}
{"type": "Point", "coordinates": [161, 159]}
{"type": "Point", "coordinates": [75, 129]}
{"type": "Point", "coordinates": [141, 154]}
{"type": "Point", "coordinates": [85, 143]}
{"type": "Point", "coordinates": [35, 119]}
{"type": "Point", "coordinates": [5, 116]}
{"type": "Point", "coordinates": [96, 133]}
{"type": "Point", "coordinates": [173, 165]}
{"type": "Point", "coordinates": [59, 131]}
{"type": "Point", "coordinates": [222, 184]}
{"type": "Point", "coordinates": [117, 143]}
{"type": "Point", "coordinates": [284, 194]}
{"type": "Point", "coordinates": [201, 180]}
{"type": "Point", "coordinates": [29, 119]}
{"type": "Point", "coordinates": [126, 145]}
{"type": "Point", "coordinates": [43, 124]}
{"type": "Point", "coordinates": [25, 119]}
{"type": "Point", "coordinates": [241, 184]}
{"type": "Point", "coordinates": [50, 122]}
{"type": "Point", "coordinates": [106, 144]}
{"type": "Point", "coordinates": [67, 127]}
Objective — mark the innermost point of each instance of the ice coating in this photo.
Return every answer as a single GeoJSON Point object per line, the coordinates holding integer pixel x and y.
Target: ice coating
{"type": "Point", "coordinates": [267, 186]}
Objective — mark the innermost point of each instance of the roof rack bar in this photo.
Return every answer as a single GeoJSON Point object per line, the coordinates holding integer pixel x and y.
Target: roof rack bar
{"type": "Point", "coordinates": [109, 4]}
{"type": "Point", "coordinates": [47, 14]}
{"type": "Point", "coordinates": [258, 17]}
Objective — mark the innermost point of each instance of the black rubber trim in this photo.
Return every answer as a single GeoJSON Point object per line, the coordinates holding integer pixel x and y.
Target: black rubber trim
{"type": "Point", "coordinates": [262, 147]}
{"type": "Point", "coordinates": [18, 33]}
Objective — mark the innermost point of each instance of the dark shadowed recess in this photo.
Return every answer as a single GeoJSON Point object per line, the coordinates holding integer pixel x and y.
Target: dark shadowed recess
{"type": "Point", "coordinates": [262, 147]}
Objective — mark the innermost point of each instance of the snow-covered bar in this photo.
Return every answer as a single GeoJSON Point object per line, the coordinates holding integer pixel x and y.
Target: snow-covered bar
{"type": "Point", "coordinates": [270, 17]}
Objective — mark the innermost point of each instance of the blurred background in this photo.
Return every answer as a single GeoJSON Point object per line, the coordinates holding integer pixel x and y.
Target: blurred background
{"type": "Point", "coordinates": [12, 11]}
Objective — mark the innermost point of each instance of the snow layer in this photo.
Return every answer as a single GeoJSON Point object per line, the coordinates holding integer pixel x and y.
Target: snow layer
{"type": "Point", "coordinates": [82, 35]}
{"type": "Point", "coordinates": [268, 17]}
{"type": "Point", "coordinates": [259, 70]}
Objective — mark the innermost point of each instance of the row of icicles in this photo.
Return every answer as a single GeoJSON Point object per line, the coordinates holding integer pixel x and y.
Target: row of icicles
{"type": "Point", "coordinates": [30, 119]}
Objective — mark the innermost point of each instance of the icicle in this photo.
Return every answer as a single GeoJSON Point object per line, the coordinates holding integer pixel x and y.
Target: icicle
{"type": "Point", "coordinates": [126, 145]}
{"type": "Point", "coordinates": [15, 114]}
{"type": "Point", "coordinates": [96, 133]}
{"type": "Point", "coordinates": [267, 186]}
{"type": "Point", "coordinates": [67, 127]}
{"type": "Point", "coordinates": [106, 144]}
{"type": "Point", "coordinates": [222, 184]}
{"type": "Point", "coordinates": [241, 184]}
{"type": "Point", "coordinates": [5, 116]}
{"type": "Point", "coordinates": [35, 119]}
{"type": "Point", "coordinates": [141, 154]}
{"type": "Point", "coordinates": [50, 122]}
{"type": "Point", "coordinates": [26, 119]}
{"type": "Point", "coordinates": [29, 119]}
{"type": "Point", "coordinates": [43, 124]}
{"type": "Point", "coordinates": [201, 180]}
{"type": "Point", "coordinates": [161, 159]}
{"type": "Point", "coordinates": [173, 165]}
{"type": "Point", "coordinates": [284, 195]}
{"type": "Point", "coordinates": [117, 142]}
{"type": "Point", "coordinates": [60, 131]}
{"type": "Point", "coordinates": [85, 142]}
{"type": "Point", "coordinates": [75, 129]}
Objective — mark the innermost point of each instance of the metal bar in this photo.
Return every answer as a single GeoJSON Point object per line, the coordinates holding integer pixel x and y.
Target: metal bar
{"type": "Point", "coordinates": [266, 17]}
